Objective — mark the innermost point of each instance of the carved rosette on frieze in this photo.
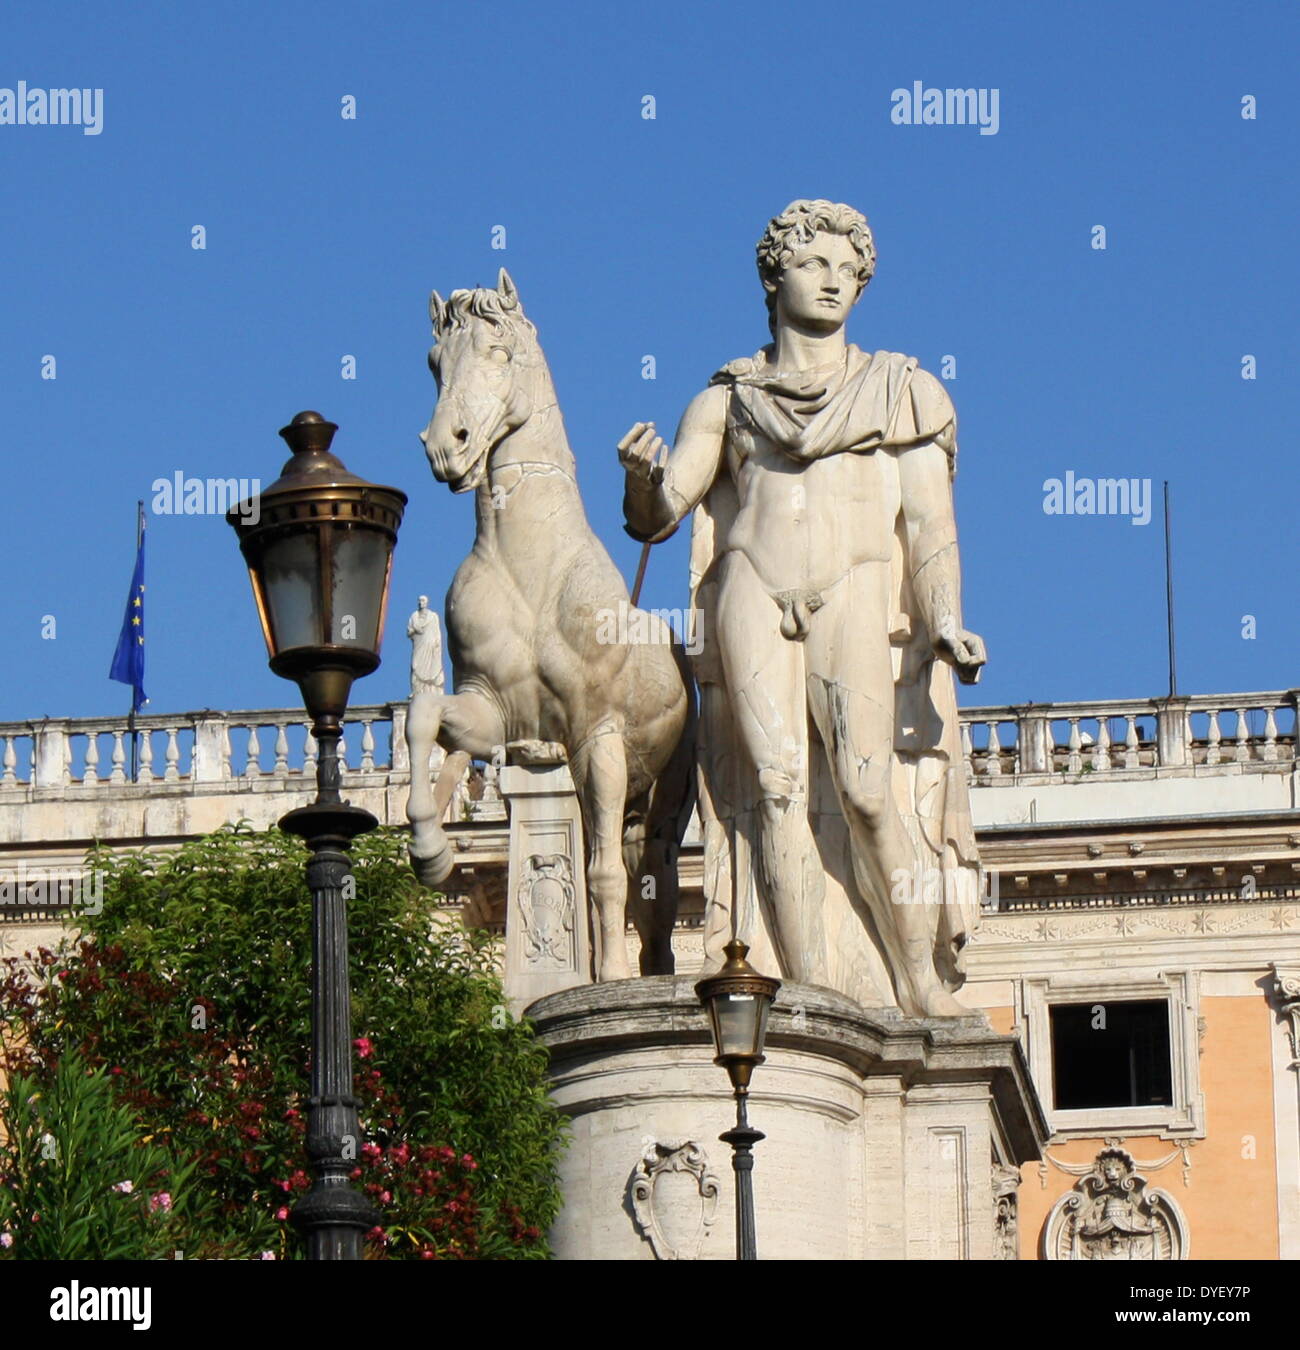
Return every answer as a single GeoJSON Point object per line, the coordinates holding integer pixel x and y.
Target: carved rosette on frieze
{"type": "Point", "coordinates": [1113, 1214]}
{"type": "Point", "coordinates": [674, 1198]}
{"type": "Point", "coordinates": [548, 905]}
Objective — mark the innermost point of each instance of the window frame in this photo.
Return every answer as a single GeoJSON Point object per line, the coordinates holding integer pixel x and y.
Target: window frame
{"type": "Point", "coordinates": [1037, 995]}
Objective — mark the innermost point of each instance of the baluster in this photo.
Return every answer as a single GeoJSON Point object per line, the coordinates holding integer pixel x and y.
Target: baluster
{"type": "Point", "coordinates": [10, 762]}
{"type": "Point", "coordinates": [367, 747]}
{"type": "Point", "coordinates": [252, 765]}
{"type": "Point", "coordinates": [1269, 752]}
{"type": "Point", "coordinates": [967, 751]}
{"type": "Point", "coordinates": [993, 763]}
{"type": "Point", "coordinates": [309, 753]}
{"type": "Point", "coordinates": [343, 749]}
{"type": "Point", "coordinates": [146, 756]}
{"type": "Point", "coordinates": [1101, 755]}
{"type": "Point", "coordinates": [1215, 738]}
{"type": "Point", "coordinates": [90, 773]}
{"type": "Point", "coordinates": [281, 751]}
{"type": "Point", "coordinates": [1075, 763]}
{"type": "Point", "coordinates": [119, 760]}
{"type": "Point", "coordinates": [1242, 754]}
{"type": "Point", "coordinates": [1132, 755]}
{"type": "Point", "coordinates": [227, 770]}
{"type": "Point", "coordinates": [173, 757]}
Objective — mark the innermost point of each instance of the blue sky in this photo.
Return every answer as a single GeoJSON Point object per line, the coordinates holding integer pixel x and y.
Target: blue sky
{"type": "Point", "coordinates": [629, 237]}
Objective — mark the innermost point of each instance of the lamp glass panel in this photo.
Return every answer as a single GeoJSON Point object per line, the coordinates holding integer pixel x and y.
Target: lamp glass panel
{"type": "Point", "coordinates": [290, 572]}
{"type": "Point", "coordinates": [760, 1034]}
{"type": "Point", "coordinates": [736, 1021]}
{"type": "Point", "coordinates": [360, 575]}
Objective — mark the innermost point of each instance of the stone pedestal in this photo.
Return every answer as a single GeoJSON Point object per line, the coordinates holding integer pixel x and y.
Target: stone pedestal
{"type": "Point", "coordinates": [548, 928]}
{"type": "Point", "coordinates": [888, 1137]}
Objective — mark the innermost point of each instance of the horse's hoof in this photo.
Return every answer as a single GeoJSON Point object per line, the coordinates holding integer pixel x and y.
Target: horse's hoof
{"type": "Point", "coordinates": [433, 869]}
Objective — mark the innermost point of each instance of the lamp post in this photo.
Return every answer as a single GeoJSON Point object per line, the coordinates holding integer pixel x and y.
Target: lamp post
{"type": "Point", "coordinates": [738, 999]}
{"type": "Point", "coordinates": [319, 546]}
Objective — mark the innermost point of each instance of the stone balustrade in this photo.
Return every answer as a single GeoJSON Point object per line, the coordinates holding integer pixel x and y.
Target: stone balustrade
{"type": "Point", "coordinates": [1061, 741]}
{"type": "Point", "coordinates": [1066, 741]}
{"type": "Point", "coordinates": [198, 747]}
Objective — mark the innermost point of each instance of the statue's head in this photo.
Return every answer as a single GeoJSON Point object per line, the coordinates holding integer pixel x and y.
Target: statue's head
{"type": "Point", "coordinates": [814, 261]}
{"type": "Point", "coordinates": [423, 602]}
{"type": "Point", "coordinates": [490, 374]}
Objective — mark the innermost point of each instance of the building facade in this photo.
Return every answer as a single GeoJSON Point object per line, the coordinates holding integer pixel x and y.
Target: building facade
{"type": "Point", "coordinates": [1141, 934]}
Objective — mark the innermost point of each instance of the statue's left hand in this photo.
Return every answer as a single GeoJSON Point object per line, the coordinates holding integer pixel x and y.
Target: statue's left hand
{"type": "Point", "coordinates": [965, 652]}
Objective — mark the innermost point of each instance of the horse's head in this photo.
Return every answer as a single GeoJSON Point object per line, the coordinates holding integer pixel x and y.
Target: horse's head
{"type": "Point", "coordinates": [487, 364]}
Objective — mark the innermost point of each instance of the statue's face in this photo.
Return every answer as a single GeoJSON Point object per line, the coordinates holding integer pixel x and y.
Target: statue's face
{"type": "Point", "coordinates": [820, 284]}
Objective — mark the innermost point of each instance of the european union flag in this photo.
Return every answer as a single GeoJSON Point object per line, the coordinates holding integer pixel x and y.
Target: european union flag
{"type": "Point", "coordinates": [128, 660]}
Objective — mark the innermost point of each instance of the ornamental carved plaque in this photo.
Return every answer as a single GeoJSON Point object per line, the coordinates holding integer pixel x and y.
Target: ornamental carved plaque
{"type": "Point", "coordinates": [548, 906]}
{"type": "Point", "coordinates": [1113, 1214]}
{"type": "Point", "coordinates": [674, 1198]}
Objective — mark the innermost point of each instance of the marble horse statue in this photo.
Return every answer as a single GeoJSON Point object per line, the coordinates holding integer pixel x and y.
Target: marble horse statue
{"type": "Point", "coordinates": [532, 618]}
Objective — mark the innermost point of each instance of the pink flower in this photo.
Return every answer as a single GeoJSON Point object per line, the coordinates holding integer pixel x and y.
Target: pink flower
{"type": "Point", "coordinates": [162, 1200]}
{"type": "Point", "coordinates": [267, 1256]}
{"type": "Point", "coordinates": [282, 1213]}
{"type": "Point", "coordinates": [364, 1047]}
{"type": "Point", "coordinates": [385, 1197]}
{"type": "Point", "coordinates": [126, 1187]}
{"type": "Point", "coordinates": [6, 1239]}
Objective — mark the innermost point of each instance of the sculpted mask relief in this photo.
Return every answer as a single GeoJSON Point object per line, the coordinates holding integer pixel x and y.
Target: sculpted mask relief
{"type": "Point", "coordinates": [833, 799]}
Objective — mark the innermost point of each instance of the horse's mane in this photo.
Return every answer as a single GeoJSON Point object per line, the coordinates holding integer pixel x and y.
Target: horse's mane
{"type": "Point", "coordinates": [487, 305]}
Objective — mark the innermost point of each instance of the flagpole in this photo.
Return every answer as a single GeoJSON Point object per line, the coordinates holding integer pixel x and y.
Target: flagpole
{"type": "Point", "coordinates": [1169, 599]}
{"type": "Point", "coordinates": [130, 717]}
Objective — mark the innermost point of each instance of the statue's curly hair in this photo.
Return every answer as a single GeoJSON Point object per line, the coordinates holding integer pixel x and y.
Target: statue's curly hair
{"type": "Point", "coordinates": [795, 227]}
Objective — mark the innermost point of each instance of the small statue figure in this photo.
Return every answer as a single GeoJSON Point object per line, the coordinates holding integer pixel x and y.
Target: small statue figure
{"type": "Point", "coordinates": [425, 633]}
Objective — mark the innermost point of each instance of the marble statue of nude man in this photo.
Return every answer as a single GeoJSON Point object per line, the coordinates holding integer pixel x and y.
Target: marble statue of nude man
{"type": "Point", "coordinates": [839, 464]}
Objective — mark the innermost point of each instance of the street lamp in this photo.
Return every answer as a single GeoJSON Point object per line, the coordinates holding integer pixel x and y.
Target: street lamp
{"type": "Point", "coordinates": [319, 547]}
{"type": "Point", "coordinates": [737, 1000]}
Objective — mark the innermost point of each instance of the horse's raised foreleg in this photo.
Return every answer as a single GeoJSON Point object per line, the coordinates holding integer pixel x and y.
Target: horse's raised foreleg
{"type": "Point", "coordinates": [600, 776]}
{"type": "Point", "coordinates": [466, 726]}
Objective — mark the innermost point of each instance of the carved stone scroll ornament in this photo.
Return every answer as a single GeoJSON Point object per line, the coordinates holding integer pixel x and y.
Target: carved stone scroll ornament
{"type": "Point", "coordinates": [1006, 1213]}
{"type": "Point", "coordinates": [547, 902]}
{"type": "Point", "coordinates": [674, 1198]}
{"type": "Point", "coordinates": [1112, 1214]}
{"type": "Point", "coordinates": [1286, 993]}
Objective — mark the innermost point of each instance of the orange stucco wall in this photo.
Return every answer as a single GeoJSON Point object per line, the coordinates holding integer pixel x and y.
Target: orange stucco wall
{"type": "Point", "coordinates": [1231, 1204]}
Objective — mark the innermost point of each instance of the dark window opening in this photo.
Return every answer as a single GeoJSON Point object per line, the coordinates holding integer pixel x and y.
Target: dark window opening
{"type": "Point", "coordinates": [1111, 1054]}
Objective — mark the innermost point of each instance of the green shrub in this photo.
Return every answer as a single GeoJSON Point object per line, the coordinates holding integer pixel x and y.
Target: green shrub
{"type": "Point", "coordinates": [191, 990]}
{"type": "Point", "coordinates": [77, 1182]}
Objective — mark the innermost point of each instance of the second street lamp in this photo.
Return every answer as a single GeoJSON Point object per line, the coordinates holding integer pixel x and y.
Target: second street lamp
{"type": "Point", "coordinates": [319, 546]}
{"type": "Point", "coordinates": [738, 999]}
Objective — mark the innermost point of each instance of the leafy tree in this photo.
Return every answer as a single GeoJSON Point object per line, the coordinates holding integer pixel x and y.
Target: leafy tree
{"type": "Point", "coordinates": [191, 990]}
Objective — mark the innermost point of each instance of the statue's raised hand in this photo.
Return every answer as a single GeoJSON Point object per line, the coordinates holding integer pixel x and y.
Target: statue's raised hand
{"type": "Point", "coordinates": [643, 454]}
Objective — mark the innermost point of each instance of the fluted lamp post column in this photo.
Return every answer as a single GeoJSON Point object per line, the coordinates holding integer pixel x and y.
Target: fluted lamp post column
{"type": "Point", "coordinates": [737, 1000]}
{"type": "Point", "coordinates": [319, 547]}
